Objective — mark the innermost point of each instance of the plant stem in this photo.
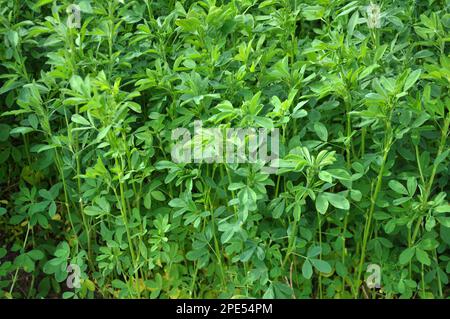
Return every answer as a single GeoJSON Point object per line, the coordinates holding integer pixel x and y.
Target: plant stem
{"type": "Point", "coordinates": [374, 197]}
{"type": "Point", "coordinates": [319, 228]}
{"type": "Point", "coordinates": [123, 211]}
{"type": "Point", "coordinates": [17, 270]}
{"type": "Point", "coordinates": [429, 186]}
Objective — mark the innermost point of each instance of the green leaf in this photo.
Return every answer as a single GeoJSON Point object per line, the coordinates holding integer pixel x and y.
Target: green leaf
{"type": "Point", "coordinates": [412, 79]}
{"type": "Point", "coordinates": [3, 252]}
{"type": "Point", "coordinates": [85, 6]}
{"type": "Point", "coordinates": [321, 204]}
{"type": "Point", "coordinates": [103, 204]}
{"type": "Point", "coordinates": [297, 212]}
{"type": "Point", "coordinates": [352, 22]}
{"type": "Point", "coordinates": [93, 211]}
{"type": "Point", "coordinates": [21, 130]}
{"type": "Point", "coordinates": [296, 114]}
{"type": "Point", "coordinates": [52, 209]}
{"type": "Point", "coordinates": [422, 257]}
{"type": "Point", "coordinates": [356, 195]}
{"type": "Point", "coordinates": [398, 187]}
{"type": "Point", "coordinates": [321, 131]}
{"type": "Point", "coordinates": [63, 250]}
{"type": "Point", "coordinates": [158, 195]}
{"type": "Point", "coordinates": [235, 186]}
{"type": "Point", "coordinates": [13, 38]}
{"type": "Point", "coordinates": [41, 3]}
{"type": "Point", "coordinates": [312, 13]}
{"type": "Point", "coordinates": [406, 255]}
{"type": "Point", "coordinates": [380, 52]}
{"type": "Point", "coordinates": [443, 209]}
{"type": "Point", "coordinates": [412, 186]}
{"type": "Point", "coordinates": [278, 210]}
{"type": "Point", "coordinates": [195, 254]}
{"type": "Point", "coordinates": [307, 269]}
{"type": "Point", "coordinates": [80, 120]}
{"type": "Point", "coordinates": [36, 254]}
{"type": "Point", "coordinates": [321, 265]}
{"type": "Point", "coordinates": [444, 221]}
{"type": "Point", "coordinates": [134, 106]}
{"type": "Point", "coordinates": [9, 85]}
{"type": "Point", "coordinates": [325, 176]}
{"type": "Point", "coordinates": [441, 157]}
{"type": "Point", "coordinates": [368, 71]}
{"type": "Point", "coordinates": [177, 202]}
{"type": "Point", "coordinates": [269, 294]}
{"type": "Point", "coordinates": [264, 122]}
{"type": "Point", "coordinates": [282, 290]}
{"type": "Point", "coordinates": [39, 148]}
{"type": "Point", "coordinates": [4, 132]}
{"type": "Point", "coordinates": [165, 165]}
{"type": "Point", "coordinates": [429, 244]}
{"type": "Point", "coordinates": [314, 251]}
{"type": "Point", "coordinates": [337, 200]}
{"type": "Point", "coordinates": [340, 174]}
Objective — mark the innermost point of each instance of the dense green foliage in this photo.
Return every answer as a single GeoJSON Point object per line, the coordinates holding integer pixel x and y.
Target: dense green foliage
{"type": "Point", "coordinates": [86, 177]}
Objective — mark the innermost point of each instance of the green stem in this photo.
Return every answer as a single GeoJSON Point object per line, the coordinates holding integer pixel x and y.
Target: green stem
{"type": "Point", "coordinates": [319, 227]}
{"type": "Point", "coordinates": [292, 235]}
{"type": "Point", "coordinates": [80, 200]}
{"type": "Point", "coordinates": [17, 270]}
{"type": "Point", "coordinates": [194, 278]}
{"type": "Point", "coordinates": [374, 198]}
{"type": "Point", "coordinates": [123, 211]}
{"type": "Point", "coordinates": [66, 194]}
{"type": "Point", "coordinates": [441, 295]}
{"type": "Point", "coordinates": [429, 186]}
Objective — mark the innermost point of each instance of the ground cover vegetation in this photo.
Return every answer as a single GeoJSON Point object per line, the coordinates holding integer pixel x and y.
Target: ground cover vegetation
{"type": "Point", "coordinates": [92, 205]}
